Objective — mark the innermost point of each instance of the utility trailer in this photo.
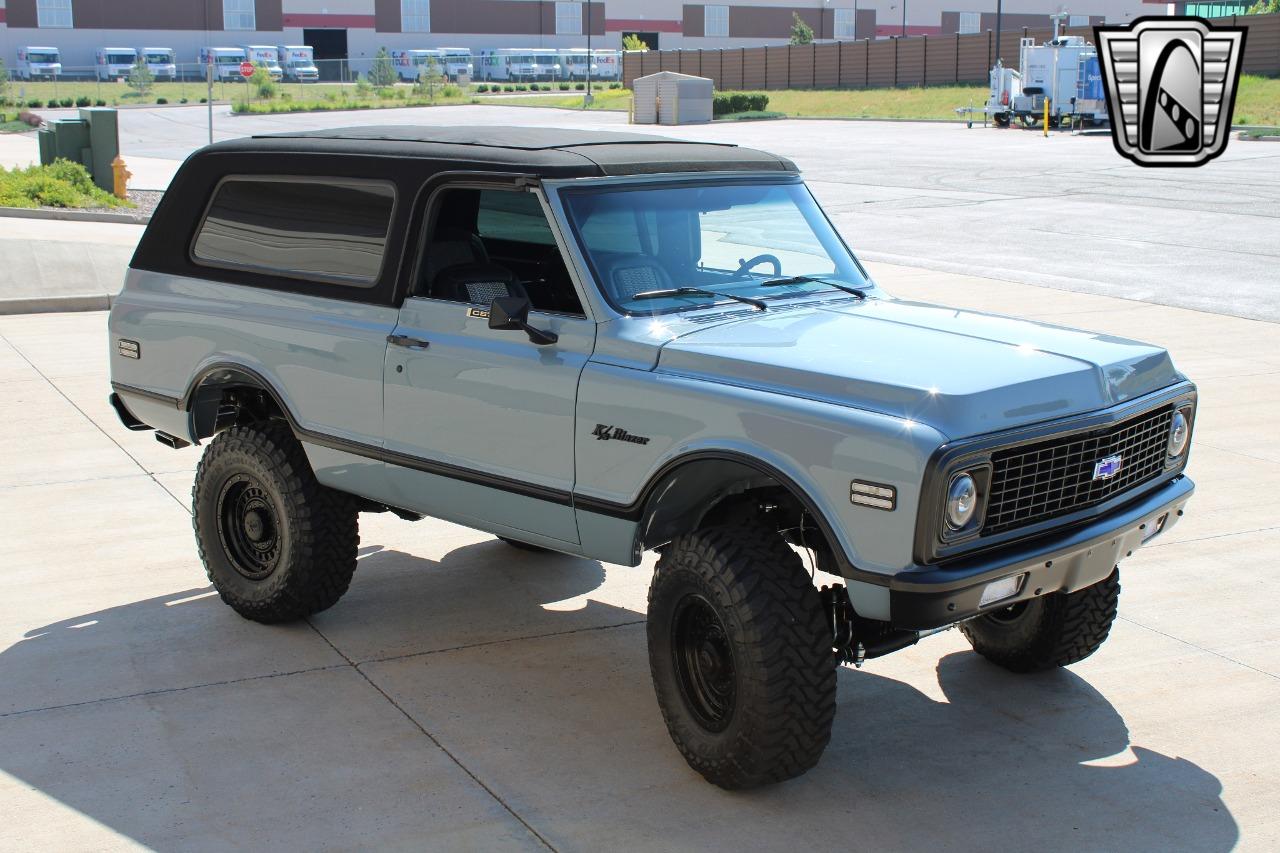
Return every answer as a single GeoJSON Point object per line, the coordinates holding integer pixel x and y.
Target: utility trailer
{"type": "Point", "coordinates": [1064, 71]}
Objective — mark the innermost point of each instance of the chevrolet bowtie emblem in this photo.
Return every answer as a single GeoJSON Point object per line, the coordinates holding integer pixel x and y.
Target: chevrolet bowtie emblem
{"type": "Point", "coordinates": [1171, 85]}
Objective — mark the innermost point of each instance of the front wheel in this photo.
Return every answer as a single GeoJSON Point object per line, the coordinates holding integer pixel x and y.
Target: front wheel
{"type": "Point", "coordinates": [1044, 633]}
{"type": "Point", "coordinates": [741, 656]}
{"type": "Point", "coordinates": [276, 544]}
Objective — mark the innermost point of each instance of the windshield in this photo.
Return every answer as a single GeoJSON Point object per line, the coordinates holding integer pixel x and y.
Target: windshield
{"type": "Point", "coordinates": [120, 59]}
{"type": "Point", "coordinates": [760, 241]}
{"type": "Point", "coordinates": [42, 57]}
{"type": "Point", "coordinates": [161, 58]}
{"type": "Point", "coordinates": [229, 60]}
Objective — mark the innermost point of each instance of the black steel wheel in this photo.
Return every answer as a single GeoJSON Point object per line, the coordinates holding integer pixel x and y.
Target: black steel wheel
{"type": "Point", "coordinates": [1054, 630]}
{"type": "Point", "coordinates": [249, 526]}
{"type": "Point", "coordinates": [741, 656]}
{"type": "Point", "coordinates": [703, 661]}
{"type": "Point", "coordinates": [275, 543]}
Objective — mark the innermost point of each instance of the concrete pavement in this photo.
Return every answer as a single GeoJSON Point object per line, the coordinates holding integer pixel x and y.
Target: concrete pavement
{"type": "Point", "coordinates": [464, 695]}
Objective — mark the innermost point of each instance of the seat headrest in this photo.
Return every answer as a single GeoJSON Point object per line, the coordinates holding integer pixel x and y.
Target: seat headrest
{"type": "Point", "coordinates": [636, 274]}
{"type": "Point", "coordinates": [476, 283]}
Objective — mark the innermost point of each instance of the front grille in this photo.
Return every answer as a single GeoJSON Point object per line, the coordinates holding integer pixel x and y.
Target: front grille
{"type": "Point", "coordinates": [1035, 482]}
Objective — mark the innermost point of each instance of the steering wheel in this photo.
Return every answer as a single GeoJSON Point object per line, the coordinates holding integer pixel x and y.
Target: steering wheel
{"type": "Point", "coordinates": [745, 266]}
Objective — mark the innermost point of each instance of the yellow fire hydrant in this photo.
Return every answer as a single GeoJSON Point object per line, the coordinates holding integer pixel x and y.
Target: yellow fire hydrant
{"type": "Point", "coordinates": [120, 177]}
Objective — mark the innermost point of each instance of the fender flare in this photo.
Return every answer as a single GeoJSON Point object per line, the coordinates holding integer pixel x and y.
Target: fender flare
{"type": "Point", "coordinates": [681, 493]}
{"type": "Point", "coordinates": [202, 406]}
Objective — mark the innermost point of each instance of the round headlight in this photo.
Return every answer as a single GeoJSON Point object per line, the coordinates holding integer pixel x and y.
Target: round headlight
{"type": "Point", "coordinates": [1179, 432]}
{"type": "Point", "coordinates": [962, 500]}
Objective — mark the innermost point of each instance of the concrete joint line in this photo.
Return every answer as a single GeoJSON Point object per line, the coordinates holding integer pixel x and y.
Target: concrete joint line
{"type": "Point", "coordinates": [1202, 648]}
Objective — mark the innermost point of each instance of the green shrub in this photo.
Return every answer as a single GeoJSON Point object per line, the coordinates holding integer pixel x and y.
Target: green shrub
{"type": "Point", "coordinates": [182, 100]}
{"type": "Point", "coordinates": [726, 103]}
{"type": "Point", "coordinates": [67, 103]}
{"type": "Point", "coordinates": [204, 100]}
{"type": "Point", "coordinates": [162, 100]}
{"type": "Point", "coordinates": [140, 78]}
{"type": "Point", "coordinates": [615, 85]}
{"type": "Point", "coordinates": [483, 87]}
{"type": "Point", "coordinates": [451, 91]}
{"type": "Point", "coordinates": [521, 87]}
{"type": "Point", "coordinates": [507, 88]}
{"type": "Point", "coordinates": [62, 184]}
{"type": "Point", "coordinates": [100, 103]}
{"type": "Point", "coordinates": [52, 103]}
{"type": "Point", "coordinates": [35, 104]}
{"type": "Point", "coordinates": [580, 86]}
{"type": "Point", "coordinates": [383, 72]}
{"type": "Point", "coordinates": [363, 88]}
{"type": "Point", "coordinates": [83, 101]}
{"type": "Point", "coordinates": [564, 87]}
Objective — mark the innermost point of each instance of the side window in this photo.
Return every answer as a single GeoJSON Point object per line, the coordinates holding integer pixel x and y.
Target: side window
{"type": "Point", "coordinates": [487, 243]}
{"type": "Point", "coordinates": [333, 230]}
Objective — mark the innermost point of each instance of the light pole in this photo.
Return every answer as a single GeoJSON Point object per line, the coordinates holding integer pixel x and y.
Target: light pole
{"type": "Point", "coordinates": [999, 10]}
{"type": "Point", "coordinates": [904, 17]}
{"type": "Point", "coordinates": [586, 101]}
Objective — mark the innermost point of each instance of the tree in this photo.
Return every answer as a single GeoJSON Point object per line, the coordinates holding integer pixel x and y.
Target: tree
{"type": "Point", "coordinates": [430, 78]}
{"type": "Point", "coordinates": [261, 80]}
{"type": "Point", "coordinates": [801, 33]}
{"type": "Point", "coordinates": [1264, 7]}
{"type": "Point", "coordinates": [140, 77]}
{"type": "Point", "coordinates": [634, 42]}
{"type": "Point", "coordinates": [383, 73]}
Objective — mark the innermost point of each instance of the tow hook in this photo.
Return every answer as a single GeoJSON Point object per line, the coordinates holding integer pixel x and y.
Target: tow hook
{"type": "Point", "coordinates": [855, 639]}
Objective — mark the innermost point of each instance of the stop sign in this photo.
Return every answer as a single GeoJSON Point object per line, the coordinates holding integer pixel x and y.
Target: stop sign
{"type": "Point", "coordinates": [246, 70]}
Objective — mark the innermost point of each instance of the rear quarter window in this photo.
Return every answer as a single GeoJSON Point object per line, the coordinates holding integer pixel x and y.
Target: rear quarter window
{"type": "Point", "coordinates": [326, 229]}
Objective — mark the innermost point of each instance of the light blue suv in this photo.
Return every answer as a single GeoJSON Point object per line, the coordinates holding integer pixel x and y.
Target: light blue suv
{"type": "Point", "coordinates": [604, 344]}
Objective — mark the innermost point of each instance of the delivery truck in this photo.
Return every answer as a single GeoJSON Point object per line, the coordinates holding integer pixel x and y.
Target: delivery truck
{"type": "Point", "coordinates": [38, 63]}
{"type": "Point", "coordinates": [162, 62]}
{"type": "Point", "coordinates": [298, 63]}
{"type": "Point", "coordinates": [267, 56]}
{"type": "Point", "coordinates": [114, 63]}
{"type": "Point", "coordinates": [225, 61]}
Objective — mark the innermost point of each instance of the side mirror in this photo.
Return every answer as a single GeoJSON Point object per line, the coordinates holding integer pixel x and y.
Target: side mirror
{"type": "Point", "coordinates": [512, 312]}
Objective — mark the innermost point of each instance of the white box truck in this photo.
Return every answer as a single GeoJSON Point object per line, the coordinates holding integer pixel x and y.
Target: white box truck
{"type": "Point", "coordinates": [114, 63]}
{"type": "Point", "coordinates": [608, 66]}
{"type": "Point", "coordinates": [225, 61]}
{"type": "Point", "coordinates": [457, 62]}
{"type": "Point", "coordinates": [409, 63]}
{"type": "Point", "coordinates": [298, 63]}
{"type": "Point", "coordinates": [38, 63]}
{"type": "Point", "coordinates": [162, 62]}
{"type": "Point", "coordinates": [266, 55]}
{"type": "Point", "coordinates": [519, 64]}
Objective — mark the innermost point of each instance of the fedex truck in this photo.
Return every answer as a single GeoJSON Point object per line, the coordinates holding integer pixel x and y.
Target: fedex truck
{"type": "Point", "coordinates": [114, 63]}
{"type": "Point", "coordinates": [456, 62]}
{"type": "Point", "coordinates": [225, 61]}
{"type": "Point", "coordinates": [38, 63]}
{"type": "Point", "coordinates": [519, 64]}
{"type": "Point", "coordinates": [298, 63]}
{"type": "Point", "coordinates": [608, 65]}
{"type": "Point", "coordinates": [162, 62]}
{"type": "Point", "coordinates": [409, 63]}
{"type": "Point", "coordinates": [265, 55]}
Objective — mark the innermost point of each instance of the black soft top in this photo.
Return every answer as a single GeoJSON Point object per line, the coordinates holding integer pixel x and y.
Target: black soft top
{"type": "Point", "coordinates": [538, 151]}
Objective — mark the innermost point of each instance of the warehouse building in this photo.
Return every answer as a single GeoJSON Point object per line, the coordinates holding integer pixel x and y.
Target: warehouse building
{"type": "Point", "coordinates": [355, 29]}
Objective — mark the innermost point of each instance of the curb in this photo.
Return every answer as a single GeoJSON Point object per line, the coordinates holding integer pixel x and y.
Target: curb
{"type": "Point", "coordinates": [72, 215]}
{"type": "Point", "coordinates": [55, 304]}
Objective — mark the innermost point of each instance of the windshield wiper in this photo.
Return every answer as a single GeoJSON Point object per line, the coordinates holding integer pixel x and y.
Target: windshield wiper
{"type": "Point", "coordinates": [680, 291]}
{"type": "Point", "coordinates": [805, 279]}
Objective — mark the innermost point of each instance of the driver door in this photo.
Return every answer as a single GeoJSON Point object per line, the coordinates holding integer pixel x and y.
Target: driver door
{"type": "Point", "coordinates": [480, 422]}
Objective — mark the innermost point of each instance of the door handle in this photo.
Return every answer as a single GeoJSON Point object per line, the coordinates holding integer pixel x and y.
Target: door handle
{"type": "Point", "coordinates": [407, 342]}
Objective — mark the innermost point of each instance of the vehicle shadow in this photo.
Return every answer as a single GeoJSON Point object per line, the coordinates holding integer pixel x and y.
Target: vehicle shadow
{"type": "Point", "coordinates": [1003, 757]}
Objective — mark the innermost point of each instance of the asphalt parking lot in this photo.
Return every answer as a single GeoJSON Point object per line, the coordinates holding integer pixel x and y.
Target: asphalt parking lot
{"type": "Point", "coordinates": [464, 695]}
{"type": "Point", "coordinates": [1065, 212]}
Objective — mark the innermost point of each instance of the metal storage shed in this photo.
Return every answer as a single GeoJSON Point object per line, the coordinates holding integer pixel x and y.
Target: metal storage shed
{"type": "Point", "coordinates": [668, 97]}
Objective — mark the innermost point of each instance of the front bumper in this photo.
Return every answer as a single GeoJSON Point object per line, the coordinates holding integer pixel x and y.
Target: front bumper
{"type": "Point", "coordinates": [1064, 561]}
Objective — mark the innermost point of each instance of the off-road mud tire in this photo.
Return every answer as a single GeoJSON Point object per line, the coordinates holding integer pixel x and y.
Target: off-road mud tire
{"type": "Point", "coordinates": [783, 670]}
{"type": "Point", "coordinates": [1055, 630]}
{"type": "Point", "coordinates": [316, 527]}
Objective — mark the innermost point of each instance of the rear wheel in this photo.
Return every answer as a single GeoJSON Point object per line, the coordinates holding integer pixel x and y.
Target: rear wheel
{"type": "Point", "coordinates": [1052, 631]}
{"type": "Point", "coordinates": [741, 656]}
{"type": "Point", "coordinates": [276, 544]}
{"type": "Point", "coordinates": [1001, 119]}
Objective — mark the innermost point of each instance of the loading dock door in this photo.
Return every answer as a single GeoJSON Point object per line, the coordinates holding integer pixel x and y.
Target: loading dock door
{"type": "Point", "coordinates": [330, 48]}
{"type": "Point", "coordinates": [651, 39]}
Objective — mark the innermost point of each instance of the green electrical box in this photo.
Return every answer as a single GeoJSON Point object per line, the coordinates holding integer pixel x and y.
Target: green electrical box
{"type": "Point", "coordinates": [92, 140]}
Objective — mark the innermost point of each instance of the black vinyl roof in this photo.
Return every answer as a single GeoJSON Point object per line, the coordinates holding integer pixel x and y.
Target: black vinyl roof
{"type": "Point", "coordinates": [540, 151]}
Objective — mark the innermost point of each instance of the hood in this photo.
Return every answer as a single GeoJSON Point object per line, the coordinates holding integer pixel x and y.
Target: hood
{"type": "Point", "coordinates": [962, 372]}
